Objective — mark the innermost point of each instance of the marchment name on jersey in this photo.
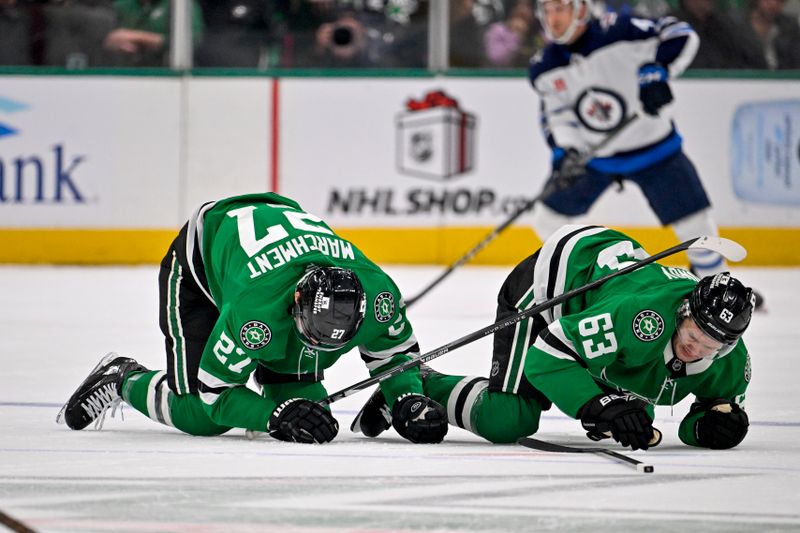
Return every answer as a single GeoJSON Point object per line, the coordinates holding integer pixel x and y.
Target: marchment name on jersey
{"type": "Point", "coordinates": [281, 254]}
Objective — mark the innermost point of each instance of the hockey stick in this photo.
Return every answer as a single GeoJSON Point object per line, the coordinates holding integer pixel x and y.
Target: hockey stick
{"type": "Point", "coordinates": [527, 206]}
{"type": "Point", "coordinates": [729, 249]}
{"type": "Point", "coordinates": [543, 446]}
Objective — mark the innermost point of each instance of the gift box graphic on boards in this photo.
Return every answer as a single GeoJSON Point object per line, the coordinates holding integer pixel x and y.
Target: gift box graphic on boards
{"type": "Point", "coordinates": [435, 138]}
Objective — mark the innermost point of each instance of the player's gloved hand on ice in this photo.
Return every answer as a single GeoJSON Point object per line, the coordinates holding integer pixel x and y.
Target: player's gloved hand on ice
{"type": "Point", "coordinates": [419, 419]}
{"type": "Point", "coordinates": [655, 440]}
{"type": "Point", "coordinates": [622, 415]}
{"type": "Point", "coordinates": [654, 91]}
{"type": "Point", "coordinates": [567, 170]}
{"type": "Point", "coordinates": [301, 420]}
{"type": "Point", "coordinates": [722, 425]}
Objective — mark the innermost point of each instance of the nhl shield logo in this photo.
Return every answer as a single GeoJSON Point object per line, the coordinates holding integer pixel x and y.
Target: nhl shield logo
{"type": "Point", "coordinates": [648, 325]}
{"type": "Point", "coordinates": [384, 307]}
{"type": "Point", "coordinates": [255, 335]}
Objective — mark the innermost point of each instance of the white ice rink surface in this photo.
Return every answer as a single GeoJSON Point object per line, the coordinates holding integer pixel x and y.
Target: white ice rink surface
{"type": "Point", "coordinates": [135, 475]}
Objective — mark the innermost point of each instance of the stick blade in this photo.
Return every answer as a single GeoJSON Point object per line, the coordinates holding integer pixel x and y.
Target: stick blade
{"type": "Point", "coordinates": [730, 250]}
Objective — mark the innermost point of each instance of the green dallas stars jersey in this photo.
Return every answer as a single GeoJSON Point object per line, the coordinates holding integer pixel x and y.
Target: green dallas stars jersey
{"type": "Point", "coordinates": [618, 334]}
{"type": "Point", "coordinates": [255, 248]}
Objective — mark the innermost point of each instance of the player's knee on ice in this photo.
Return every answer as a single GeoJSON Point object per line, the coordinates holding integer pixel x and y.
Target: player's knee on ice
{"type": "Point", "coordinates": [498, 417]}
{"type": "Point", "coordinates": [503, 418]}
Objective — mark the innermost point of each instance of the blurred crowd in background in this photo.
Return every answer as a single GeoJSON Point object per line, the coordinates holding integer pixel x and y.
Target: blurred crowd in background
{"type": "Point", "coordinates": [269, 34]}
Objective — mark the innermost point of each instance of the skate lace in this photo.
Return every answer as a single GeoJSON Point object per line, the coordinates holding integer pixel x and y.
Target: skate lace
{"type": "Point", "coordinates": [98, 404]}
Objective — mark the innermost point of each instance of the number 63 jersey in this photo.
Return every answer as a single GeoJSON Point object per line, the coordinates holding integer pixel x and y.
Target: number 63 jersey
{"type": "Point", "coordinates": [618, 335]}
{"type": "Point", "coordinates": [254, 250]}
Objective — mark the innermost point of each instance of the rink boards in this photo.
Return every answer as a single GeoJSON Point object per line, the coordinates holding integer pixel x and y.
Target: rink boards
{"type": "Point", "coordinates": [412, 169]}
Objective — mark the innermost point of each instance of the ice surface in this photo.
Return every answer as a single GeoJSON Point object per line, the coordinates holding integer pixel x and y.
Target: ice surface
{"type": "Point", "coordinates": [136, 475]}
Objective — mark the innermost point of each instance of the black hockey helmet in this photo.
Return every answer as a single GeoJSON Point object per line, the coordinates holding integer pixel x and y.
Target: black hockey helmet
{"type": "Point", "coordinates": [329, 307]}
{"type": "Point", "coordinates": [721, 306]}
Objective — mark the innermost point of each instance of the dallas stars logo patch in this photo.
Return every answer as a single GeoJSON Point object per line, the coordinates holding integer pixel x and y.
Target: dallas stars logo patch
{"type": "Point", "coordinates": [384, 307]}
{"type": "Point", "coordinates": [255, 335]}
{"type": "Point", "coordinates": [648, 325]}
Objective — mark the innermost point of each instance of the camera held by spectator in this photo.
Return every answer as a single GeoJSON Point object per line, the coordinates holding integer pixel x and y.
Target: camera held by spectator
{"type": "Point", "coordinates": [345, 38]}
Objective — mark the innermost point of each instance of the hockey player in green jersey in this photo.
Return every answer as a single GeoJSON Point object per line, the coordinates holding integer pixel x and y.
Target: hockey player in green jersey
{"type": "Point", "coordinates": [608, 356]}
{"type": "Point", "coordinates": [253, 285]}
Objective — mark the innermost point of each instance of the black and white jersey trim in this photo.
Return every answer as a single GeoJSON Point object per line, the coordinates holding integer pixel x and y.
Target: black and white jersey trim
{"type": "Point", "coordinates": [550, 272]}
{"type": "Point", "coordinates": [554, 344]}
{"type": "Point", "coordinates": [194, 248]}
{"type": "Point", "coordinates": [462, 399]}
{"type": "Point", "coordinates": [210, 387]}
{"type": "Point", "coordinates": [376, 359]}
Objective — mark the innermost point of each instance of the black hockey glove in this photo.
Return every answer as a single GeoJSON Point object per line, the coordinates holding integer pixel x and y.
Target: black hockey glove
{"type": "Point", "coordinates": [419, 419]}
{"type": "Point", "coordinates": [301, 420]}
{"type": "Point", "coordinates": [567, 171]}
{"type": "Point", "coordinates": [622, 415]}
{"type": "Point", "coordinates": [723, 426]}
{"type": "Point", "coordinates": [654, 91]}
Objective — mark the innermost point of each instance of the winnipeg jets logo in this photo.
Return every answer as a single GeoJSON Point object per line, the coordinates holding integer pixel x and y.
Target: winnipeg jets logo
{"type": "Point", "coordinates": [255, 335]}
{"type": "Point", "coordinates": [648, 325]}
{"type": "Point", "coordinates": [600, 109]}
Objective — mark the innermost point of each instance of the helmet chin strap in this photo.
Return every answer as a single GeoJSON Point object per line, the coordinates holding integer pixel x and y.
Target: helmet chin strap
{"type": "Point", "coordinates": [569, 33]}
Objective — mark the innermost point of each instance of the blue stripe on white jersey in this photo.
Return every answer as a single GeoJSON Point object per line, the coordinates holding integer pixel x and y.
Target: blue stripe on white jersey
{"type": "Point", "coordinates": [589, 87]}
{"type": "Point", "coordinates": [629, 163]}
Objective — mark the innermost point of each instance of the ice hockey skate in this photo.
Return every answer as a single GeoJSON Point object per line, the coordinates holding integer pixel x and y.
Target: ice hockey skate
{"type": "Point", "coordinates": [374, 418]}
{"type": "Point", "coordinates": [98, 393]}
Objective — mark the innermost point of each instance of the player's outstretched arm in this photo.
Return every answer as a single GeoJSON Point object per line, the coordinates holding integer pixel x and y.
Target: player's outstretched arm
{"type": "Point", "coordinates": [718, 424]}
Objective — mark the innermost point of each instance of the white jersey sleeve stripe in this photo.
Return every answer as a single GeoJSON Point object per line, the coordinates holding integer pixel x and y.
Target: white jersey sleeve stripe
{"type": "Point", "coordinates": [558, 333]}
{"type": "Point", "coordinates": [380, 357]}
{"type": "Point", "coordinates": [212, 381]}
{"type": "Point", "coordinates": [686, 56]}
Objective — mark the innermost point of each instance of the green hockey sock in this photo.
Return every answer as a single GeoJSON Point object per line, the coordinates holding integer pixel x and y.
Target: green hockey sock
{"type": "Point", "coordinates": [496, 416]}
{"type": "Point", "coordinates": [149, 393]}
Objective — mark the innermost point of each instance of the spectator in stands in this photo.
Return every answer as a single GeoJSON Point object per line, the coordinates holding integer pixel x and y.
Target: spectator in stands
{"type": "Point", "coordinates": [725, 43]}
{"type": "Point", "coordinates": [381, 33]}
{"type": "Point", "coordinates": [15, 34]}
{"type": "Point", "coordinates": [778, 33]}
{"type": "Point", "coordinates": [141, 35]}
{"type": "Point", "coordinates": [54, 33]}
{"type": "Point", "coordinates": [513, 41]}
{"type": "Point", "coordinates": [466, 35]}
{"type": "Point", "coordinates": [73, 32]}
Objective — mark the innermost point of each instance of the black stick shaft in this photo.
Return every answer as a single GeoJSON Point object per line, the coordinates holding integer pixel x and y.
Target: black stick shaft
{"type": "Point", "coordinates": [623, 458]}
{"type": "Point", "coordinates": [474, 251]}
{"type": "Point", "coordinates": [501, 324]}
{"type": "Point", "coordinates": [543, 446]}
{"type": "Point", "coordinates": [518, 213]}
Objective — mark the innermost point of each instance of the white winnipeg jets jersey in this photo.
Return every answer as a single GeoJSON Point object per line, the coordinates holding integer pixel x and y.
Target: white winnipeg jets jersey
{"type": "Point", "coordinates": [590, 87]}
